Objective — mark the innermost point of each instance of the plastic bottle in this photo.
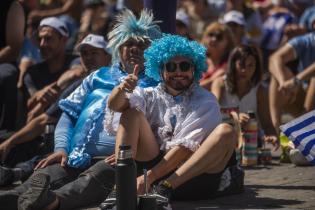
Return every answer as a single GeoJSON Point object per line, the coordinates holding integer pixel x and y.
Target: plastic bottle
{"type": "Point", "coordinates": [249, 153]}
{"type": "Point", "coordinates": [126, 178]}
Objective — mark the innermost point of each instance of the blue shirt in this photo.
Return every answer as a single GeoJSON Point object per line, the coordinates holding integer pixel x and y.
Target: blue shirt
{"type": "Point", "coordinates": [86, 107]}
{"type": "Point", "coordinates": [304, 47]}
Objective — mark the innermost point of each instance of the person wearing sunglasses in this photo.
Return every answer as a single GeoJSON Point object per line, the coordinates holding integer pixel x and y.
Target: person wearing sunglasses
{"type": "Point", "coordinates": [219, 41]}
{"type": "Point", "coordinates": [175, 129]}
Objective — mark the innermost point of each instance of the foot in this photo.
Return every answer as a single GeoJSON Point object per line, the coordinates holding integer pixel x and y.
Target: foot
{"type": "Point", "coordinates": [109, 202]}
{"type": "Point", "coordinates": [163, 196]}
{"type": "Point", "coordinates": [6, 176]}
{"type": "Point", "coordinates": [38, 196]}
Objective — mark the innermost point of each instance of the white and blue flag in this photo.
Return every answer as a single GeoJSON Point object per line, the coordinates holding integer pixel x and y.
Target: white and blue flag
{"type": "Point", "coordinates": [301, 131]}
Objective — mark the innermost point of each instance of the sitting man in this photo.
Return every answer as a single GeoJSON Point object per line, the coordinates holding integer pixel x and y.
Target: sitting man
{"type": "Point", "coordinates": [292, 90]}
{"type": "Point", "coordinates": [27, 142]}
{"type": "Point", "coordinates": [175, 129]}
{"type": "Point", "coordinates": [79, 134]}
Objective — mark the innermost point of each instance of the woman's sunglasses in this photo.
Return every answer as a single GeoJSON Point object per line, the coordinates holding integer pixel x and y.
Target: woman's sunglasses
{"type": "Point", "coordinates": [184, 66]}
{"type": "Point", "coordinates": [216, 35]}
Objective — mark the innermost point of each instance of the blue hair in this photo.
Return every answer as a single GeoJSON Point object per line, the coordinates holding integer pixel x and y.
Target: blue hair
{"type": "Point", "coordinates": [128, 26]}
{"type": "Point", "coordinates": [169, 46]}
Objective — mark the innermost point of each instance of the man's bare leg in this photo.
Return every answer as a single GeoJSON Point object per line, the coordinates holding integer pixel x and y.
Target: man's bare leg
{"type": "Point", "coordinates": [135, 130]}
{"type": "Point", "coordinates": [211, 157]}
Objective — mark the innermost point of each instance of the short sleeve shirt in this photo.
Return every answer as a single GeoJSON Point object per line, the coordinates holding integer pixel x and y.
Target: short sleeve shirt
{"type": "Point", "coordinates": [304, 48]}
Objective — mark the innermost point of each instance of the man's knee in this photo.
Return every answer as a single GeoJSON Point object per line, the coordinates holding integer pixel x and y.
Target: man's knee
{"type": "Point", "coordinates": [102, 172]}
{"type": "Point", "coordinates": [227, 134]}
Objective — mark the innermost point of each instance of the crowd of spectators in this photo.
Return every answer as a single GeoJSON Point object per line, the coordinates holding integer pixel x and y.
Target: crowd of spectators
{"type": "Point", "coordinates": [259, 55]}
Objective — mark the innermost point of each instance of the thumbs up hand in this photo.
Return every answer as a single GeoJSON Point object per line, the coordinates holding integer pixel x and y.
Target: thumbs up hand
{"type": "Point", "coordinates": [130, 82]}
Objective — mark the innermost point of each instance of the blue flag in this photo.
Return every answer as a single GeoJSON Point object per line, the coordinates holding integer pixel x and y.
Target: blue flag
{"type": "Point", "coordinates": [301, 131]}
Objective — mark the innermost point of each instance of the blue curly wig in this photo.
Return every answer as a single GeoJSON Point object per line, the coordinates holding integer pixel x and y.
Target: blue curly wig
{"type": "Point", "coordinates": [169, 46]}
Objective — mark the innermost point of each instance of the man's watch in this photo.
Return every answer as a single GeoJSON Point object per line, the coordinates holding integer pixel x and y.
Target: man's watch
{"type": "Point", "coordinates": [297, 81]}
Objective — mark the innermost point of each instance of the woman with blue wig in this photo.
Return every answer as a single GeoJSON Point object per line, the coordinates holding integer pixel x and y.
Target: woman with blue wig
{"type": "Point", "coordinates": [175, 129]}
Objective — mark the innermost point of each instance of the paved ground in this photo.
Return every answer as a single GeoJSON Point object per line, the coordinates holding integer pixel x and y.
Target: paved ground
{"type": "Point", "coordinates": [276, 186]}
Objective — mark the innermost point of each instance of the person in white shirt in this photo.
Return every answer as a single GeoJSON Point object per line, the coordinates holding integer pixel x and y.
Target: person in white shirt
{"type": "Point", "coordinates": [175, 129]}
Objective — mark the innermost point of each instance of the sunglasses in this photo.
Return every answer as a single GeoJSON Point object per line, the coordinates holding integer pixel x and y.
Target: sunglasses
{"type": "Point", "coordinates": [216, 35]}
{"type": "Point", "coordinates": [184, 66]}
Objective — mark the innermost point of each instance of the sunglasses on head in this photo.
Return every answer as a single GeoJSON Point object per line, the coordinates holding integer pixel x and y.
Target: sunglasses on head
{"type": "Point", "coordinates": [184, 66]}
{"type": "Point", "coordinates": [216, 35]}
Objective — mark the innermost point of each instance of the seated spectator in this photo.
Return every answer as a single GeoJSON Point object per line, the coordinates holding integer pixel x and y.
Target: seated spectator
{"type": "Point", "coordinates": [26, 143]}
{"type": "Point", "coordinates": [175, 129]}
{"type": "Point", "coordinates": [41, 79]}
{"type": "Point", "coordinates": [235, 20]}
{"type": "Point", "coordinates": [80, 133]}
{"type": "Point", "coordinates": [253, 26]}
{"type": "Point", "coordinates": [292, 90]}
{"type": "Point", "coordinates": [11, 39]}
{"type": "Point", "coordinates": [242, 88]}
{"type": "Point", "coordinates": [68, 11]}
{"type": "Point", "coordinates": [219, 41]}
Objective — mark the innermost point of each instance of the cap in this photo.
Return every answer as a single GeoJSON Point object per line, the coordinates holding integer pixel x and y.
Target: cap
{"type": "Point", "coordinates": [56, 24]}
{"type": "Point", "coordinates": [183, 17]}
{"type": "Point", "coordinates": [234, 17]}
{"type": "Point", "coordinates": [96, 41]}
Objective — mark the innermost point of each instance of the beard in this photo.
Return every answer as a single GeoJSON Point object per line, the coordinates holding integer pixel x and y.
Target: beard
{"type": "Point", "coordinates": [179, 85]}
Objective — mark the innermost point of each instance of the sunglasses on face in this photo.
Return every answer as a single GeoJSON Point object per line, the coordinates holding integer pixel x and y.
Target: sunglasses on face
{"type": "Point", "coordinates": [216, 35]}
{"type": "Point", "coordinates": [183, 66]}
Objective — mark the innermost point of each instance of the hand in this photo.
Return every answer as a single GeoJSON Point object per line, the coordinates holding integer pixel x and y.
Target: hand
{"type": "Point", "coordinates": [56, 157]}
{"type": "Point", "coordinates": [130, 82]}
{"type": "Point", "coordinates": [289, 89]}
{"type": "Point", "coordinates": [111, 160]}
{"type": "Point", "coordinates": [46, 96]}
{"type": "Point", "coordinates": [141, 185]}
{"type": "Point", "coordinates": [5, 148]}
{"type": "Point", "coordinates": [272, 139]}
{"type": "Point", "coordinates": [34, 16]}
{"type": "Point", "coordinates": [243, 119]}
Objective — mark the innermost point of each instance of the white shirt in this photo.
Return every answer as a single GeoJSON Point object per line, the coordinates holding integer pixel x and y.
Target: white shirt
{"type": "Point", "coordinates": [186, 119]}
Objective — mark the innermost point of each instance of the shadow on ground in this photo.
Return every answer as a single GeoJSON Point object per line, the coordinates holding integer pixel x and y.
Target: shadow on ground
{"type": "Point", "coordinates": [247, 200]}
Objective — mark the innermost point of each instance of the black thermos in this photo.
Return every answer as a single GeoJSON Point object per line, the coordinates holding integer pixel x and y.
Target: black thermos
{"type": "Point", "coordinates": [49, 137]}
{"type": "Point", "coordinates": [126, 179]}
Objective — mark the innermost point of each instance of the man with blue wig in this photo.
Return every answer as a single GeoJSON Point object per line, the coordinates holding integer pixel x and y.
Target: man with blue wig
{"type": "Point", "coordinates": [175, 129]}
{"type": "Point", "coordinates": [87, 128]}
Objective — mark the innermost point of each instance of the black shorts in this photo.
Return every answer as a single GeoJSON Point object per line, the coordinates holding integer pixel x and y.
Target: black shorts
{"type": "Point", "coordinates": [200, 187]}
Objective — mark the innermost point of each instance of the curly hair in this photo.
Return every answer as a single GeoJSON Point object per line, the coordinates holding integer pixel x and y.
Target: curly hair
{"type": "Point", "coordinates": [169, 46]}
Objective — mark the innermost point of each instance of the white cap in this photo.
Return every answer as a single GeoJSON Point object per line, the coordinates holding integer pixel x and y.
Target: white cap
{"type": "Point", "coordinates": [96, 41]}
{"type": "Point", "coordinates": [182, 16]}
{"type": "Point", "coordinates": [56, 24]}
{"type": "Point", "coordinates": [234, 17]}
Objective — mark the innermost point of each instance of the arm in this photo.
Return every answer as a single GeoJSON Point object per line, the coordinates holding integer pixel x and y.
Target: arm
{"type": "Point", "coordinates": [278, 60]}
{"type": "Point", "coordinates": [14, 35]}
{"type": "Point", "coordinates": [172, 160]}
{"type": "Point", "coordinates": [63, 134]}
{"type": "Point", "coordinates": [217, 88]}
{"type": "Point", "coordinates": [39, 14]}
{"type": "Point", "coordinates": [265, 118]}
{"type": "Point", "coordinates": [308, 73]}
{"type": "Point", "coordinates": [118, 101]}
{"type": "Point", "coordinates": [31, 130]}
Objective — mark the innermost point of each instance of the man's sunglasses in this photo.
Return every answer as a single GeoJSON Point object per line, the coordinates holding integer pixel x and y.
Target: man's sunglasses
{"type": "Point", "coordinates": [184, 66]}
{"type": "Point", "coordinates": [216, 35]}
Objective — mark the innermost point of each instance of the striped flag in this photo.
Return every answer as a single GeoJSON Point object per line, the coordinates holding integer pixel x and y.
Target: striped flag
{"type": "Point", "coordinates": [301, 131]}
